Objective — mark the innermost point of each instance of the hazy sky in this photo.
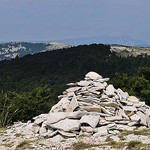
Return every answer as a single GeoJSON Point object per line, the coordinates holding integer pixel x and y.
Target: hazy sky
{"type": "Point", "coordinates": [49, 20]}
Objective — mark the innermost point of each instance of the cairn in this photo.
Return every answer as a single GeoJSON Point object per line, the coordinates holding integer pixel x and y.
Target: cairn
{"type": "Point", "coordinates": [89, 107]}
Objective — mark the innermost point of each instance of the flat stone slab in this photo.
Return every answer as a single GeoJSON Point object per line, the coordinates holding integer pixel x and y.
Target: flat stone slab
{"type": "Point", "coordinates": [135, 117]}
{"type": "Point", "coordinates": [84, 83]}
{"type": "Point", "coordinates": [133, 99]}
{"type": "Point", "coordinates": [88, 129]}
{"type": "Point", "coordinates": [77, 114]}
{"type": "Point", "coordinates": [143, 118]}
{"type": "Point", "coordinates": [67, 134]}
{"type": "Point", "coordinates": [110, 104]}
{"type": "Point", "coordinates": [129, 108]}
{"type": "Point", "coordinates": [124, 95]}
{"type": "Point", "coordinates": [55, 117]}
{"type": "Point", "coordinates": [113, 118]}
{"type": "Point", "coordinates": [66, 125]}
{"type": "Point", "coordinates": [90, 119]}
{"type": "Point", "coordinates": [93, 108]}
{"type": "Point", "coordinates": [73, 89]}
{"type": "Point", "coordinates": [93, 75]}
{"type": "Point", "coordinates": [73, 104]}
{"type": "Point", "coordinates": [110, 90]}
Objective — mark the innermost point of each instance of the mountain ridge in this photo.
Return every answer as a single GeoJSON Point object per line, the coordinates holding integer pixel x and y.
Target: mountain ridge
{"type": "Point", "coordinates": [13, 49]}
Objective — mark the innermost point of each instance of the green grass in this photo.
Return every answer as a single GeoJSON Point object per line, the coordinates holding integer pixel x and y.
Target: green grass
{"type": "Point", "coordinates": [22, 144]}
{"type": "Point", "coordinates": [132, 144]}
{"type": "Point", "coordinates": [81, 146]}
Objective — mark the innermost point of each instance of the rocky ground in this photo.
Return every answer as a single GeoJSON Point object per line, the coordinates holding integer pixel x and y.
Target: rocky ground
{"type": "Point", "coordinates": [91, 114]}
{"type": "Point", "coordinates": [130, 51]}
{"type": "Point", "coordinates": [137, 139]}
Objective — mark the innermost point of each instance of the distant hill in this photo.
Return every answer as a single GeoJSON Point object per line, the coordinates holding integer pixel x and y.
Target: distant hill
{"type": "Point", "coordinates": [14, 49]}
{"type": "Point", "coordinates": [107, 39]}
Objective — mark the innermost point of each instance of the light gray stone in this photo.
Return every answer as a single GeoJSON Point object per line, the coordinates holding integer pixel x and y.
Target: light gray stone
{"type": "Point", "coordinates": [66, 125]}
{"type": "Point", "coordinates": [110, 104]}
{"type": "Point", "coordinates": [35, 128]}
{"type": "Point", "coordinates": [57, 138]}
{"type": "Point", "coordinates": [94, 108]}
{"type": "Point", "coordinates": [93, 75]}
{"type": "Point", "coordinates": [55, 117]}
{"type": "Point", "coordinates": [129, 108]}
{"type": "Point", "coordinates": [84, 83]}
{"type": "Point", "coordinates": [113, 118]}
{"type": "Point", "coordinates": [135, 118]}
{"type": "Point", "coordinates": [101, 133]}
{"type": "Point", "coordinates": [101, 86]}
{"type": "Point", "coordinates": [59, 105]}
{"type": "Point", "coordinates": [72, 84]}
{"type": "Point", "coordinates": [77, 114]}
{"type": "Point", "coordinates": [73, 104]}
{"type": "Point", "coordinates": [104, 122]}
{"type": "Point", "coordinates": [103, 80]}
{"type": "Point", "coordinates": [106, 111]}
{"type": "Point", "coordinates": [90, 119]}
{"type": "Point", "coordinates": [124, 95]}
{"type": "Point", "coordinates": [39, 121]}
{"type": "Point", "coordinates": [133, 99]}
{"type": "Point", "coordinates": [67, 134]}
{"type": "Point", "coordinates": [88, 129]}
{"type": "Point", "coordinates": [122, 122]}
{"type": "Point", "coordinates": [110, 90]}
{"type": "Point", "coordinates": [115, 138]}
{"type": "Point", "coordinates": [130, 124]}
{"type": "Point", "coordinates": [73, 89]}
{"type": "Point", "coordinates": [143, 118]}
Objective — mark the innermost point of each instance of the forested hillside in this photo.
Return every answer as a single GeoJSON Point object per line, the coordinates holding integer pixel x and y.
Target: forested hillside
{"type": "Point", "coordinates": [27, 77]}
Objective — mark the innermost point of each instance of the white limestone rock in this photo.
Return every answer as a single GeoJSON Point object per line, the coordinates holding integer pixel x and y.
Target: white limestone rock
{"type": "Point", "coordinates": [66, 125]}
{"type": "Point", "coordinates": [124, 95]}
{"type": "Point", "coordinates": [115, 138]}
{"type": "Point", "coordinates": [67, 134]}
{"type": "Point", "coordinates": [94, 108]}
{"type": "Point", "coordinates": [101, 86]}
{"type": "Point", "coordinates": [73, 89]}
{"type": "Point", "coordinates": [77, 114]}
{"type": "Point", "coordinates": [84, 83]}
{"type": "Point", "coordinates": [101, 132]}
{"type": "Point", "coordinates": [110, 90]}
{"type": "Point", "coordinates": [113, 118]}
{"type": "Point", "coordinates": [110, 104]}
{"type": "Point", "coordinates": [93, 76]}
{"type": "Point", "coordinates": [135, 118]}
{"type": "Point", "coordinates": [57, 107]}
{"type": "Point", "coordinates": [129, 108]}
{"type": "Point", "coordinates": [73, 104]}
{"type": "Point", "coordinates": [88, 129]}
{"type": "Point", "coordinates": [90, 119]}
{"type": "Point", "coordinates": [39, 121]}
{"type": "Point", "coordinates": [133, 99]}
{"type": "Point", "coordinates": [143, 118]}
{"type": "Point", "coordinates": [55, 117]}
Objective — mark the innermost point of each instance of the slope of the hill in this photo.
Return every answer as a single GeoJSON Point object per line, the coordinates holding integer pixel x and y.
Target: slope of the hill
{"type": "Point", "coordinates": [56, 68]}
{"type": "Point", "coordinates": [125, 51]}
{"type": "Point", "coordinates": [13, 49]}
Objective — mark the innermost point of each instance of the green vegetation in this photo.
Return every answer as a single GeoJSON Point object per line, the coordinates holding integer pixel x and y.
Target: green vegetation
{"type": "Point", "coordinates": [81, 145]}
{"type": "Point", "coordinates": [14, 106]}
{"type": "Point", "coordinates": [23, 145]}
{"type": "Point", "coordinates": [132, 144]}
{"type": "Point", "coordinates": [138, 85]}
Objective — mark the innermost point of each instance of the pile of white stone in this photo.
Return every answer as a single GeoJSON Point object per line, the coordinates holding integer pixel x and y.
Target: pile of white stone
{"type": "Point", "coordinates": [89, 107]}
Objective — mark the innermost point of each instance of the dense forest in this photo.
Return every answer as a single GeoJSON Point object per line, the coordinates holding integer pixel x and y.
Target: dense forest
{"type": "Point", "coordinates": [30, 85]}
